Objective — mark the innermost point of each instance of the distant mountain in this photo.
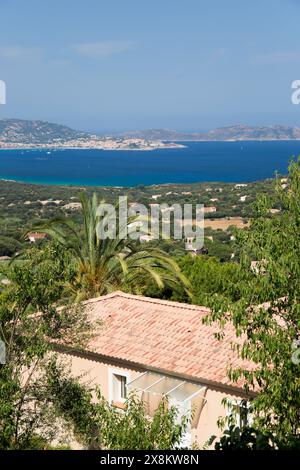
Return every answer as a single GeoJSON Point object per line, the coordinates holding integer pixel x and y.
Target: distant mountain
{"type": "Point", "coordinates": [36, 132]}
{"type": "Point", "coordinates": [237, 132]}
{"type": "Point", "coordinates": [18, 131]}
{"type": "Point", "coordinates": [155, 134]}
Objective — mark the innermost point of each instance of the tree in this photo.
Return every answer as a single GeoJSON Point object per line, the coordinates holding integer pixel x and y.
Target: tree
{"type": "Point", "coordinates": [100, 425]}
{"type": "Point", "coordinates": [250, 438]}
{"type": "Point", "coordinates": [247, 438]}
{"type": "Point", "coordinates": [40, 401]}
{"type": "Point", "coordinates": [134, 430]}
{"type": "Point", "coordinates": [8, 246]}
{"type": "Point", "coordinates": [26, 414]}
{"type": "Point", "coordinates": [208, 276]}
{"type": "Point", "coordinates": [267, 316]}
{"type": "Point", "coordinates": [104, 265]}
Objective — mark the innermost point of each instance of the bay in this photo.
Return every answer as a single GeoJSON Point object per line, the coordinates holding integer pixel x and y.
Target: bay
{"type": "Point", "coordinates": [198, 161]}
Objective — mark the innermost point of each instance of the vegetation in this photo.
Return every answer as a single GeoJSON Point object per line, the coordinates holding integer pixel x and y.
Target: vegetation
{"type": "Point", "coordinates": [39, 399]}
{"type": "Point", "coordinates": [26, 416]}
{"type": "Point", "coordinates": [246, 438]}
{"type": "Point", "coordinates": [249, 438]}
{"type": "Point", "coordinates": [40, 402]}
{"type": "Point", "coordinates": [208, 276]}
{"type": "Point", "coordinates": [100, 425]}
{"type": "Point", "coordinates": [270, 329]}
{"type": "Point", "coordinates": [23, 205]}
{"type": "Point", "coordinates": [102, 265]}
{"type": "Point", "coordinates": [21, 131]}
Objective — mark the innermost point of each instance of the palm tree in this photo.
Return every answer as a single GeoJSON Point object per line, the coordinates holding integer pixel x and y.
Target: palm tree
{"type": "Point", "coordinates": [105, 265]}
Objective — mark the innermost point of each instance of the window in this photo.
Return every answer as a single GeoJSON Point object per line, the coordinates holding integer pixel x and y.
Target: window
{"type": "Point", "coordinates": [119, 392]}
{"type": "Point", "coordinates": [239, 413]}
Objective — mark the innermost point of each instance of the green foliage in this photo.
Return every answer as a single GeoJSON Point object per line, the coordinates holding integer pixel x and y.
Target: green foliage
{"type": "Point", "coordinates": [246, 438]}
{"type": "Point", "coordinates": [73, 402]}
{"type": "Point", "coordinates": [36, 285]}
{"type": "Point", "coordinates": [220, 247]}
{"type": "Point", "coordinates": [269, 329]}
{"type": "Point", "coordinates": [8, 246]}
{"type": "Point", "coordinates": [104, 265]}
{"type": "Point", "coordinates": [250, 438]}
{"type": "Point", "coordinates": [98, 424]}
{"type": "Point", "coordinates": [209, 277]}
{"type": "Point", "coordinates": [133, 430]}
{"type": "Point", "coordinates": [39, 400]}
{"type": "Point", "coordinates": [35, 404]}
{"type": "Point", "coordinates": [22, 205]}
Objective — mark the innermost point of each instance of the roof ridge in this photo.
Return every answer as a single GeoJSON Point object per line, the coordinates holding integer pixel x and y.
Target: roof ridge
{"type": "Point", "coordinates": [102, 297]}
{"type": "Point", "coordinates": [143, 298]}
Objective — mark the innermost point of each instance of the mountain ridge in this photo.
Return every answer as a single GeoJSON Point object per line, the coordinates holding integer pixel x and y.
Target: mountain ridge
{"type": "Point", "coordinates": [36, 132]}
{"type": "Point", "coordinates": [43, 132]}
{"type": "Point", "coordinates": [235, 132]}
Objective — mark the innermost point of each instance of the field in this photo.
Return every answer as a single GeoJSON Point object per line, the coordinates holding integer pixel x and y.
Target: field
{"type": "Point", "coordinates": [225, 222]}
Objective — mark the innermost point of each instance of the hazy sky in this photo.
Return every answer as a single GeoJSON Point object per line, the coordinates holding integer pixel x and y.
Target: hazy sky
{"type": "Point", "coordinates": [125, 64]}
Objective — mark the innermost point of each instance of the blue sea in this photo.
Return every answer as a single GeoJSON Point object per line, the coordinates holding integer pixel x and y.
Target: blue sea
{"type": "Point", "coordinates": [198, 161]}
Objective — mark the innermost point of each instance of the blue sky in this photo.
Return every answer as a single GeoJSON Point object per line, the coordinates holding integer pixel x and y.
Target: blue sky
{"type": "Point", "coordinates": [106, 65]}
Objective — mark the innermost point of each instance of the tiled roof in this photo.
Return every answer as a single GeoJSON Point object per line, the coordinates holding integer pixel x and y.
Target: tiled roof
{"type": "Point", "coordinates": [37, 235]}
{"type": "Point", "coordinates": [164, 335]}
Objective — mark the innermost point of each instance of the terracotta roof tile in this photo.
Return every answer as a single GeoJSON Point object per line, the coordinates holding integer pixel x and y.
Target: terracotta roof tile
{"type": "Point", "coordinates": [169, 336]}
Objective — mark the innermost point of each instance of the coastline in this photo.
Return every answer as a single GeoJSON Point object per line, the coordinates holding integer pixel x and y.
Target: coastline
{"type": "Point", "coordinates": [141, 149]}
{"type": "Point", "coordinates": [68, 147]}
{"type": "Point", "coordinates": [233, 140]}
{"type": "Point", "coordinates": [103, 186]}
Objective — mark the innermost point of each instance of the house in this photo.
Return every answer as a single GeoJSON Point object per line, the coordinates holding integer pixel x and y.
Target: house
{"type": "Point", "coordinates": [209, 209]}
{"type": "Point", "coordinates": [258, 266]}
{"type": "Point", "coordinates": [73, 206]}
{"type": "Point", "coordinates": [146, 238]}
{"type": "Point", "coordinates": [156, 347]}
{"type": "Point", "coordinates": [274, 211]}
{"type": "Point", "coordinates": [33, 237]}
{"type": "Point", "coordinates": [192, 249]}
{"type": "Point", "coordinates": [5, 258]}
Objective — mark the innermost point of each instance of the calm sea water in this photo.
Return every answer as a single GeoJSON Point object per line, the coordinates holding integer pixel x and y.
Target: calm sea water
{"type": "Point", "coordinates": [199, 161]}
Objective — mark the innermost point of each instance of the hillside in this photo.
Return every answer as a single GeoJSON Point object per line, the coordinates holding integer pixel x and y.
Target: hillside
{"type": "Point", "coordinates": [22, 205]}
{"type": "Point", "coordinates": [237, 132]}
{"type": "Point", "coordinates": [18, 131]}
{"type": "Point", "coordinates": [36, 132]}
